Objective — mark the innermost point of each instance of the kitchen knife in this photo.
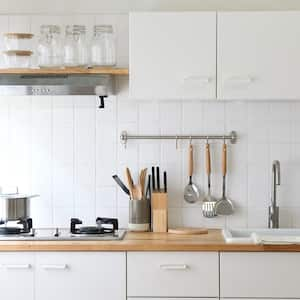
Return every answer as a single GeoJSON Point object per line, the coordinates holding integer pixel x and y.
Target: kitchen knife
{"type": "Point", "coordinates": [165, 182]}
{"type": "Point", "coordinates": [157, 178]}
{"type": "Point", "coordinates": [153, 179]}
{"type": "Point", "coordinates": [121, 184]}
{"type": "Point", "coordinates": [148, 189]}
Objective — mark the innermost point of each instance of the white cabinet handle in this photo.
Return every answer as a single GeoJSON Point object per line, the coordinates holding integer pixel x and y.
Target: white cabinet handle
{"type": "Point", "coordinates": [17, 267]}
{"type": "Point", "coordinates": [55, 267]}
{"type": "Point", "coordinates": [174, 267]}
{"type": "Point", "coordinates": [240, 80]}
{"type": "Point", "coordinates": [197, 79]}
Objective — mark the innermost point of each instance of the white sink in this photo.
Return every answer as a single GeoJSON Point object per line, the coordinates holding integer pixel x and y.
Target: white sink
{"type": "Point", "coordinates": [261, 236]}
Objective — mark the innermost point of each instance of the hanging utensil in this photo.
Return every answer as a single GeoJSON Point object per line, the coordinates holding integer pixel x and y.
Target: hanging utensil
{"type": "Point", "coordinates": [191, 191]}
{"type": "Point", "coordinates": [224, 206]}
{"type": "Point", "coordinates": [209, 202]}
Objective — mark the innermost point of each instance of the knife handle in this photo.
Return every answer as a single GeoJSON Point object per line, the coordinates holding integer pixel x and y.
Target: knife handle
{"type": "Point", "coordinates": [157, 178]}
{"type": "Point", "coordinates": [153, 178]}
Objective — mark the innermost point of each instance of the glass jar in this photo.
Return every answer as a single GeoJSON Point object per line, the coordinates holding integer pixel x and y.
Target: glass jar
{"type": "Point", "coordinates": [103, 48]}
{"type": "Point", "coordinates": [75, 48]}
{"type": "Point", "coordinates": [50, 47]}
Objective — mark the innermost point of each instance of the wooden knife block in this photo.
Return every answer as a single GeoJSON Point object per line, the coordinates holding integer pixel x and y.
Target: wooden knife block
{"type": "Point", "coordinates": [159, 212]}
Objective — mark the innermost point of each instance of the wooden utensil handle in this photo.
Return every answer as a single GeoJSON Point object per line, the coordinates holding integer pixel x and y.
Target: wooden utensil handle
{"type": "Point", "coordinates": [207, 156]}
{"type": "Point", "coordinates": [191, 161]}
{"type": "Point", "coordinates": [224, 159]}
{"type": "Point", "coordinates": [129, 181]}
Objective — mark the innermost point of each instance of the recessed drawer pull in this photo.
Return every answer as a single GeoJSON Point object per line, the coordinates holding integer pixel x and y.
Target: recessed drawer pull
{"type": "Point", "coordinates": [55, 267]}
{"type": "Point", "coordinates": [174, 267]}
{"type": "Point", "coordinates": [197, 79]}
{"type": "Point", "coordinates": [17, 267]}
{"type": "Point", "coordinates": [241, 80]}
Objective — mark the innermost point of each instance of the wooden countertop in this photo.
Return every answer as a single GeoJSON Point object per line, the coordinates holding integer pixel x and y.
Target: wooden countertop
{"type": "Point", "coordinates": [213, 241]}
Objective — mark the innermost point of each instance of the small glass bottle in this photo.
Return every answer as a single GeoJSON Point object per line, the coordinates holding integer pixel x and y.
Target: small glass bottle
{"type": "Point", "coordinates": [103, 48]}
{"type": "Point", "coordinates": [76, 48]}
{"type": "Point", "coordinates": [50, 47]}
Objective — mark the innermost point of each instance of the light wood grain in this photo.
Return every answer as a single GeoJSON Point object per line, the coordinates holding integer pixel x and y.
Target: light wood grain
{"type": "Point", "coordinates": [148, 241]}
{"type": "Point", "coordinates": [67, 71]}
{"type": "Point", "coordinates": [188, 230]}
{"type": "Point", "coordinates": [159, 212]}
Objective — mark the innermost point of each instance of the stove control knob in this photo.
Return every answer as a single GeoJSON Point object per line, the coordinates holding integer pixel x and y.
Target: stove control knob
{"type": "Point", "coordinates": [56, 234]}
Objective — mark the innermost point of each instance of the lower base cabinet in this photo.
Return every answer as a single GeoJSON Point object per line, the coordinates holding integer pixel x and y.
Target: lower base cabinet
{"type": "Point", "coordinates": [17, 276]}
{"type": "Point", "coordinates": [78, 276]}
{"type": "Point", "coordinates": [260, 275]}
{"type": "Point", "coordinates": [63, 275]}
{"type": "Point", "coordinates": [173, 274]}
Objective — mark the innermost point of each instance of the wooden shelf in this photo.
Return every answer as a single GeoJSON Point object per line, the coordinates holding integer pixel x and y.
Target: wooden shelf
{"type": "Point", "coordinates": [67, 71]}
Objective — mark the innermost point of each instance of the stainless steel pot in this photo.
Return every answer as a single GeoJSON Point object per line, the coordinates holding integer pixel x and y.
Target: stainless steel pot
{"type": "Point", "coordinates": [14, 207]}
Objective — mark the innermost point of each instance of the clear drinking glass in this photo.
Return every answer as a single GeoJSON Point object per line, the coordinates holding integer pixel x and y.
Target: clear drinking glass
{"type": "Point", "coordinates": [50, 47]}
{"type": "Point", "coordinates": [76, 47]}
{"type": "Point", "coordinates": [103, 48]}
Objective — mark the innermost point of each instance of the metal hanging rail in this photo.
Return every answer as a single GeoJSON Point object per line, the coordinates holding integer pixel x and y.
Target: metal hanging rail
{"type": "Point", "coordinates": [232, 137]}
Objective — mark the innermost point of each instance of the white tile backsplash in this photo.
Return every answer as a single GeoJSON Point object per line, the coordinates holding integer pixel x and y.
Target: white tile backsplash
{"type": "Point", "coordinates": [66, 149]}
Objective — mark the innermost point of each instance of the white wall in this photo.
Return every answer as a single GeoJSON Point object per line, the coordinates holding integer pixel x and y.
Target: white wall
{"type": "Point", "coordinates": [65, 149]}
{"type": "Point", "coordinates": [92, 6]}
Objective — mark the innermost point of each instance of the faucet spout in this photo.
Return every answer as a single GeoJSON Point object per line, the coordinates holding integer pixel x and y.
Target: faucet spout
{"type": "Point", "coordinates": [273, 219]}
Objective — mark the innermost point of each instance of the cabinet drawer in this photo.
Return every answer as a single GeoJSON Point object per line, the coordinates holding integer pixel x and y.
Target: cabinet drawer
{"type": "Point", "coordinates": [260, 275]}
{"type": "Point", "coordinates": [17, 275]}
{"type": "Point", "coordinates": [172, 274]}
{"type": "Point", "coordinates": [80, 275]}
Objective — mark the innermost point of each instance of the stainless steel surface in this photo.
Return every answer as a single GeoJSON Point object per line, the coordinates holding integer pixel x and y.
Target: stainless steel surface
{"type": "Point", "coordinates": [232, 137]}
{"type": "Point", "coordinates": [224, 206]}
{"type": "Point", "coordinates": [208, 209]}
{"type": "Point", "coordinates": [62, 234]}
{"type": "Point", "coordinates": [15, 207]}
{"type": "Point", "coordinates": [191, 191]}
{"type": "Point", "coordinates": [273, 217]}
{"type": "Point", "coordinates": [209, 202]}
{"type": "Point", "coordinates": [19, 85]}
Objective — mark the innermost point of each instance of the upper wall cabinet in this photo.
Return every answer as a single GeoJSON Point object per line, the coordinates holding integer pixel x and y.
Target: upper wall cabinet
{"type": "Point", "coordinates": [259, 55]}
{"type": "Point", "coordinates": [172, 55]}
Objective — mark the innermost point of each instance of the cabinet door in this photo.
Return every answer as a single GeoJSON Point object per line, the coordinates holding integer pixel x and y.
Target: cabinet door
{"type": "Point", "coordinates": [258, 55]}
{"type": "Point", "coordinates": [172, 55]}
{"type": "Point", "coordinates": [17, 276]}
{"type": "Point", "coordinates": [172, 274]}
{"type": "Point", "coordinates": [259, 275]}
{"type": "Point", "coordinates": [77, 276]}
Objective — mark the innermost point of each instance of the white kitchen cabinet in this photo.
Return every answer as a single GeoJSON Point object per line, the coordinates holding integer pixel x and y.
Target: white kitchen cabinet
{"type": "Point", "coordinates": [170, 298]}
{"type": "Point", "coordinates": [258, 55]}
{"type": "Point", "coordinates": [77, 276]}
{"type": "Point", "coordinates": [172, 274]}
{"type": "Point", "coordinates": [17, 276]}
{"type": "Point", "coordinates": [172, 55]}
{"type": "Point", "coordinates": [259, 275]}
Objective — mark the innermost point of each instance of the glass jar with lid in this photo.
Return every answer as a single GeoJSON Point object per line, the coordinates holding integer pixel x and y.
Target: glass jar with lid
{"type": "Point", "coordinates": [75, 48]}
{"type": "Point", "coordinates": [50, 47]}
{"type": "Point", "coordinates": [103, 48]}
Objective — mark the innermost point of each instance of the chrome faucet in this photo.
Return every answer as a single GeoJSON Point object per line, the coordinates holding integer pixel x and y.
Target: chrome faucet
{"type": "Point", "coordinates": [273, 208]}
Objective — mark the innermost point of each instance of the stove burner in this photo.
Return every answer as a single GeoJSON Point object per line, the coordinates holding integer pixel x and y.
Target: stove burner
{"type": "Point", "coordinates": [10, 230]}
{"type": "Point", "coordinates": [100, 228]}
